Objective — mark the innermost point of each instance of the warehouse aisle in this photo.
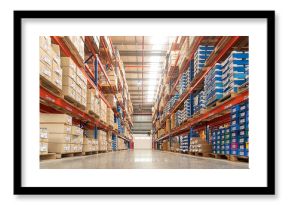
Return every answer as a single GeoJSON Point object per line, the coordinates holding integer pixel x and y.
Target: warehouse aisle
{"type": "Point", "coordinates": [141, 159]}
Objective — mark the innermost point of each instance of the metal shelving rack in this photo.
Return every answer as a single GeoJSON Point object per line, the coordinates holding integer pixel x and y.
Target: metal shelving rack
{"type": "Point", "coordinates": [51, 102]}
{"type": "Point", "coordinates": [216, 115]}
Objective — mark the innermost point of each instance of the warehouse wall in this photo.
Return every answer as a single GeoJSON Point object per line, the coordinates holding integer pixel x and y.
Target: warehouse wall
{"type": "Point", "coordinates": [142, 124]}
{"type": "Point", "coordinates": [142, 141]}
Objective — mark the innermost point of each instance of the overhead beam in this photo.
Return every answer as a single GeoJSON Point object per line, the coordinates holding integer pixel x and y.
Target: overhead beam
{"type": "Point", "coordinates": [140, 63]}
{"type": "Point", "coordinates": [139, 53]}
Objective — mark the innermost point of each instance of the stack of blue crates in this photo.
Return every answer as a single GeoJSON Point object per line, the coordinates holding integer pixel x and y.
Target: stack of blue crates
{"type": "Point", "coordinates": [199, 101]}
{"type": "Point", "coordinates": [234, 71]}
{"type": "Point", "coordinates": [200, 56]}
{"type": "Point", "coordinates": [213, 84]}
{"type": "Point", "coordinates": [247, 73]}
{"type": "Point", "coordinates": [178, 118]}
{"type": "Point", "coordinates": [114, 142]}
{"type": "Point", "coordinates": [214, 141]}
{"type": "Point", "coordinates": [240, 129]}
{"type": "Point", "coordinates": [184, 143]}
{"type": "Point", "coordinates": [221, 140]}
{"type": "Point", "coordinates": [187, 109]}
{"type": "Point", "coordinates": [184, 81]}
{"type": "Point", "coordinates": [227, 140]}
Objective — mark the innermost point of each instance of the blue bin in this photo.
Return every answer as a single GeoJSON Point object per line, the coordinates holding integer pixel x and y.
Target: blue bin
{"type": "Point", "coordinates": [243, 152]}
{"type": "Point", "coordinates": [243, 140]}
{"type": "Point", "coordinates": [234, 152]}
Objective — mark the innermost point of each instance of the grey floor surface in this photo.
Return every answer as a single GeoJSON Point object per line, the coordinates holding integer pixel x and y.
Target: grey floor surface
{"type": "Point", "coordinates": [141, 159]}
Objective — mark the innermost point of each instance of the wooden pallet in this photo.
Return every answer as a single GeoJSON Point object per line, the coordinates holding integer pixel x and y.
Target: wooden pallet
{"type": "Point", "coordinates": [70, 154]}
{"type": "Point", "coordinates": [73, 50]}
{"type": "Point", "coordinates": [230, 157]}
{"type": "Point", "coordinates": [74, 102]}
{"type": "Point", "coordinates": [50, 86]}
{"type": "Point", "coordinates": [217, 102]}
{"type": "Point", "coordinates": [91, 113]}
{"type": "Point", "coordinates": [89, 153]}
{"type": "Point", "coordinates": [243, 87]}
{"type": "Point", "coordinates": [238, 158]}
{"type": "Point", "coordinates": [47, 156]}
{"type": "Point", "coordinates": [201, 154]}
{"type": "Point", "coordinates": [107, 89]}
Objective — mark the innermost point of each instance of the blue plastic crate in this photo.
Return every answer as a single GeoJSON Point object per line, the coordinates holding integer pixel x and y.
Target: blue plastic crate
{"type": "Point", "coordinates": [218, 142]}
{"type": "Point", "coordinates": [218, 152]}
{"type": "Point", "coordinates": [227, 146]}
{"type": "Point", "coordinates": [222, 142]}
{"type": "Point", "coordinates": [244, 107]}
{"type": "Point", "coordinates": [222, 151]}
{"type": "Point", "coordinates": [243, 120]}
{"type": "Point", "coordinates": [235, 116]}
{"type": "Point", "coordinates": [228, 141]}
{"type": "Point", "coordinates": [242, 146]}
{"type": "Point", "coordinates": [243, 152]}
{"type": "Point", "coordinates": [243, 133]}
{"type": "Point", "coordinates": [235, 109]}
{"type": "Point", "coordinates": [227, 136]}
{"type": "Point", "coordinates": [234, 122]}
{"type": "Point", "coordinates": [234, 152]}
{"type": "Point", "coordinates": [243, 140]}
{"type": "Point", "coordinates": [234, 140]}
{"type": "Point", "coordinates": [227, 152]}
{"type": "Point", "coordinates": [244, 114]}
{"type": "Point", "coordinates": [235, 127]}
{"type": "Point", "coordinates": [244, 126]}
{"type": "Point", "coordinates": [218, 147]}
{"type": "Point", "coordinates": [239, 54]}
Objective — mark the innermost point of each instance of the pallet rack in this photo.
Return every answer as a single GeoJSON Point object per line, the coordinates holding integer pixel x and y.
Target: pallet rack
{"type": "Point", "coordinates": [216, 115]}
{"type": "Point", "coordinates": [53, 103]}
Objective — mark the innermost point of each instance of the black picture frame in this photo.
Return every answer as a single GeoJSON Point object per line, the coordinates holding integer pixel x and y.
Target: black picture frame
{"type": "Point", "coordinates": [268, 190]}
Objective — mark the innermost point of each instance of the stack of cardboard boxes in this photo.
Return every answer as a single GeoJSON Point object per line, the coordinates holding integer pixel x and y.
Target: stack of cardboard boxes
{"type": "Point", "coordinates": [43, 141]}
{"type": "Point", "coordinates": [109, 141]}
{"type": "Point", "coordinates": [111, 100]}
{"type": "Point", "coordinates": [93, 102]}
{"type": "Point", "coordinates": [121, 144]}
{"type": "Point", "coordinates": [78, 43]}
{"type": "Point", "coordinates": [76, 139]}
{"type": "Point", "coordinates": [103, 110]}
{"type": "Point", "coordinates": [58, 127]}
{"type": "Point", "coordinates": [87, 144]}
{"type": "Point", "coordinates": [102, 140]}
{"type": "Point", "coordinates": [112, 78]}
{"type": "Point", "coordinates": [81, 88]}
{"type": "Point", "coordinates": [110, 117]}
{"type": "Point", "coordinates": [49, 62]}
{"type": "Point", "coordinates": [69, 77]}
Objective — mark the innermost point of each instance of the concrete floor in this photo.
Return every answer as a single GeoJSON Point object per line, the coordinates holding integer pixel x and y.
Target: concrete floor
{"type": "Point", "coordinates": [141, 159]}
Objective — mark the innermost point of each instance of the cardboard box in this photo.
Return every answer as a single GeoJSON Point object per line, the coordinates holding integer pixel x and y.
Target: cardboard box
{"type": "Point", "coordinates": [87, 148]}
{"type": "Point", "coordinates": [59, 147]}
{"type": "Point", "coordinates": [55, 118]}
{"type": "Point", "coordinates": [59, 138]}
{"type": "Point", "coordinates": [69, 91]}
{"type": "Point", "coordinates": [87, 141]}
{"type": "Point", "coordinates": [56, 50]}
{"type": "Point", "coordinates": [45, 71]}
{"type": "Point", "coordinates": [73, 147]}
{"type": "Point", "coordinates": [78, 90]}
{"type": "Point", "coordinates": [80, 147]}
{"type": "Point", "coordinates": [78, 98]}
{"type": "Point", "coordinates": [57, 80]}
{"type": "Point", "coordinates": [84, 101]}
{"type": "Point", "coordinates": [56, 128]}
{"type": "Point", "coordinates": [67, 62]}
{"type": "Point", "coordinates": [45, 57]}
{"type": "Point", "coordinates": [43, 135]}
{"type": "Point", "coordinates": [76, 130]}
{"type": "Point", "coordinates": [45, 43]}
{"type": "Point", "coordinates": [68, 81]}
{"type": "Point", "coordinates": [43, 147]}
{"type": "Point", "coordinates": [69, 72]}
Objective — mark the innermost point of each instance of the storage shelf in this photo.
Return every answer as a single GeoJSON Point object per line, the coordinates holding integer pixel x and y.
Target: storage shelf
{"type": "Point", "coordinates": [198, 81]}
{"type": "Point", "coordinates": [218, 110]}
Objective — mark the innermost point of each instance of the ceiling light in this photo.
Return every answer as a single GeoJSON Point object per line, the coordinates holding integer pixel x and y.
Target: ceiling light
{"type": "Point", "coordinates": [159, 39]}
